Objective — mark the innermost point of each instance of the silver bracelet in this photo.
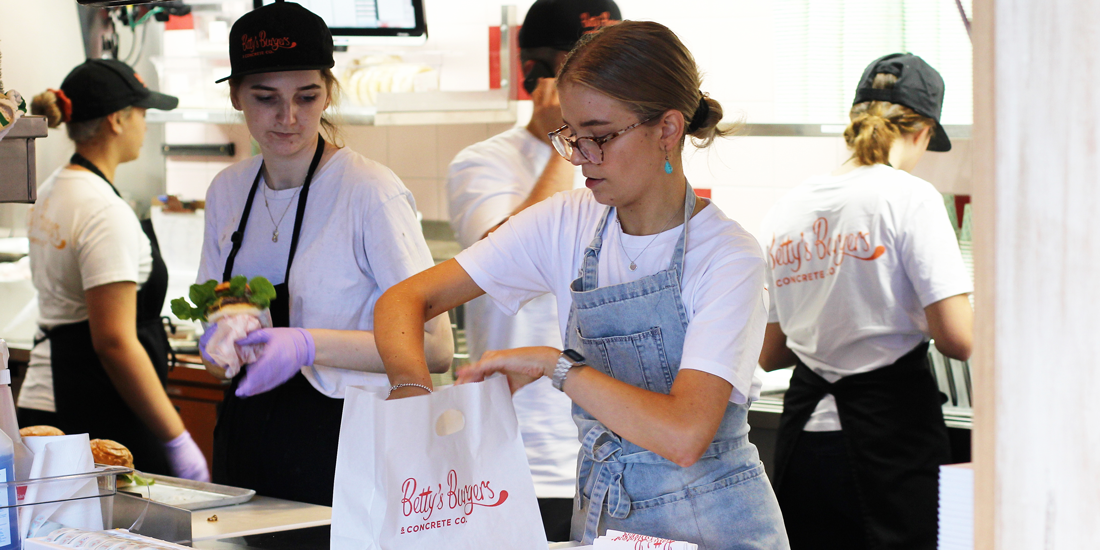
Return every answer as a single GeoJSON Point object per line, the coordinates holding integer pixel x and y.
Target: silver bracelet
{"type": "Point", "coordinates": [408, 385]}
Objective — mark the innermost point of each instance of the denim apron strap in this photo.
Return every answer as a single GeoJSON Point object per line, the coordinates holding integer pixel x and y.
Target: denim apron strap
{"type": "Point", "coordinates": [590, 272]}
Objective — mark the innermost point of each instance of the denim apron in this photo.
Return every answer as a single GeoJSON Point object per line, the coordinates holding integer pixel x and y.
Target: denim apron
{"type": "Point", "coordinates": [634, 332]}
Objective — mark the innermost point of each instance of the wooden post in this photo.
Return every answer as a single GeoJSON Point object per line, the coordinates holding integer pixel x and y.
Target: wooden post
{"type": "Point", "coordinates": [1037, 253]}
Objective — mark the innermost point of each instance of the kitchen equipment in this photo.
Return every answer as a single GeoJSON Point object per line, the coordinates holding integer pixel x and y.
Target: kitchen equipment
{"type": "Point", "coordinates": [186, 494]}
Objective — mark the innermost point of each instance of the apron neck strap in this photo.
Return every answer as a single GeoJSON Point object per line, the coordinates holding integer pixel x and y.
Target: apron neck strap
{"type": "Point", "coordinates": [238, 236]}
{"type": "Point", "coordinates": [590, 269]}
{"type": "Point", "coordinates": [83, 162]}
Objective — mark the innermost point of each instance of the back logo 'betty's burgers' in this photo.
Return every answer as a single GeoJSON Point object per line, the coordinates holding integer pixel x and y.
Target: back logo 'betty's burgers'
{"type": "Point", "coordinates": [262, 45]}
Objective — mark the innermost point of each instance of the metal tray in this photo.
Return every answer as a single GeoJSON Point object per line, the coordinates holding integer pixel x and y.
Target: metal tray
{"type": "Point", "coordinates": [187, 494]}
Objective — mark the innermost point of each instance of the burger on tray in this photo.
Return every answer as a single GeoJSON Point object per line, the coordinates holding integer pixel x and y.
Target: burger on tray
{"type": "Point", "coordinates": [237, 307]}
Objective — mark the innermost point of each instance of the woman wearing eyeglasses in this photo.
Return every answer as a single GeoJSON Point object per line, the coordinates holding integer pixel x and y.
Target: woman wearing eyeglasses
{"type": "Point", "coordinates": [660, 298]}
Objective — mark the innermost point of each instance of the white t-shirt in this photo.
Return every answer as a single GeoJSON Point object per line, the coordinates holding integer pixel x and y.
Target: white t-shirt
{"type": "Point", "coordinates": [81, 236]}
{"type": "Point", "coordinates": [485, 183]}
{"type": "Point", "coordinates": [359, 237]}
{"type": "Point", "coordinates": [853, 261]}
{"type": "Point", "coordinates": [542, 248]}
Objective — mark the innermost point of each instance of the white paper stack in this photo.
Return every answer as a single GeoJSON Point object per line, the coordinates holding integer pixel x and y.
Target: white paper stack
{"type": "Point", "coordinates": [618, 540]}
{"type": "Point", "coordinates": [956, 511]}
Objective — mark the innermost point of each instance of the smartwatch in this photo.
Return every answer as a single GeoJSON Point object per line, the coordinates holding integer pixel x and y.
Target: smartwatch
{"type": "Point", "coordinates": [567, 360]}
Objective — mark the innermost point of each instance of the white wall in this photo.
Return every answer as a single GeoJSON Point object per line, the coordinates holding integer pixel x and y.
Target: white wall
{"type": "Point", "coordinates": [31, 64]}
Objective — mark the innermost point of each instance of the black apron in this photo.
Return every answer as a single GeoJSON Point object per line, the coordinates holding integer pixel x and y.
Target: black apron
{"type": "Point", "coordinates": [895, 439]}
{"type": "Point", "coordinates": [281, 443]}
{"type": "Point", "coordinates": [85, 398]}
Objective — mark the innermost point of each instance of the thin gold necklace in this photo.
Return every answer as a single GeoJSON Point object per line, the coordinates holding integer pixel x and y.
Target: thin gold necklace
{"type": "Point", "coordinates": [633, 265]}
{"type": "Point", "coordinates": [275, 234]}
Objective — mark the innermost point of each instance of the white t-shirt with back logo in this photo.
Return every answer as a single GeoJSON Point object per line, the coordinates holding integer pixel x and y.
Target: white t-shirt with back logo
{"type": "Point", "coordinates": [853, 261]}
{"type": "Point", "coordinates": [81, 236]}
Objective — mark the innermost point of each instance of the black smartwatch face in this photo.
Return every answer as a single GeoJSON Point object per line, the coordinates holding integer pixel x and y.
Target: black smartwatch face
{"type": "Point", "coordinates": [573, 356]}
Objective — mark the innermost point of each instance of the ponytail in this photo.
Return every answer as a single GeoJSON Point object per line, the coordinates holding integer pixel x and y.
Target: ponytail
{"type": "Point", "coordinates": [56, 107]}
{"type": "Point", "coordinates": [876, 124]}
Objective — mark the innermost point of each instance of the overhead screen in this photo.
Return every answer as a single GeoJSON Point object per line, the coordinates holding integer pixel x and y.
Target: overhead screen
{"type": "Point", "coordinates": [354, 21]}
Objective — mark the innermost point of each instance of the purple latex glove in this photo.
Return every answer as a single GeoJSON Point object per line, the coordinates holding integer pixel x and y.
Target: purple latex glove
{"type": "Point", "coordinates": [286, 351]}
{"type": "Point", "coordinates": [185, 459]}
{"type": "Point", "coordinates": [204, 339]}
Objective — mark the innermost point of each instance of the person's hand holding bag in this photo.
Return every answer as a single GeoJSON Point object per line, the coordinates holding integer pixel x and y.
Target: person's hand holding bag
{"type": "Point", "coordinates": [286, 351]}
{"type": "Point", "coordinates": [521, 365]}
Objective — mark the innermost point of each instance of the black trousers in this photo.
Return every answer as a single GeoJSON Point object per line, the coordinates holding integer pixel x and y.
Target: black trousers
{"type": "Point", "coordinates": [34, 417]}
{"type": "Point", "coordinates": [557, 515]}
{"type": "Point", "coordinates": [819, 497]}
{"type": "Point", "coordinates": [280, 443]}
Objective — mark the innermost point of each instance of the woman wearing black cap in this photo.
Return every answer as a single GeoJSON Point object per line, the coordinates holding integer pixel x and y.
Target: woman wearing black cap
{"type": "Point", "coordinates": [333, 229]}
{"type": "Point", "coordinates": [864, 268]}
{"type": "Point", "coordinates": [96, 272]}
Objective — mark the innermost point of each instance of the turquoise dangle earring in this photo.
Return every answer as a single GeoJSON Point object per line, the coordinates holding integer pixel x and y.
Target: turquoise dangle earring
{"type": "Point", "coordinates": [668, 165]}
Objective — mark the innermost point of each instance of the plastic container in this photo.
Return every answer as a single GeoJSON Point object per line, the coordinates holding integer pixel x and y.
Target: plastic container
{"type": "Point", "coordinates": [8, 422]}
{"type": "Point", "coordinates": [9, 525]}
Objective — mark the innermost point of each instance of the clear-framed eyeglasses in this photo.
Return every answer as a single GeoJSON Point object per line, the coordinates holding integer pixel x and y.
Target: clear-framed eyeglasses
{"type": "Point", "coordinates": [590, 147]}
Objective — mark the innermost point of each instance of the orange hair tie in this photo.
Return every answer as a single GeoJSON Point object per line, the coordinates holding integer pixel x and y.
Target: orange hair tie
{"type": "Point", "coordinates": [65, 103]}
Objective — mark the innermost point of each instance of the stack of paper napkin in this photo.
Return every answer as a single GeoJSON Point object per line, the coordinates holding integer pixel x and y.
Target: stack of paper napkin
{"type": "Point", "coordinates": [618, 540]}
{"type": "Point", "coordinates": [956, 513]}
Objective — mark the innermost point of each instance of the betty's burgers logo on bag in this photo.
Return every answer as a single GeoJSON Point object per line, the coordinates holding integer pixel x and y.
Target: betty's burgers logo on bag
{"type": "Point", "coordinates": [450, 505]}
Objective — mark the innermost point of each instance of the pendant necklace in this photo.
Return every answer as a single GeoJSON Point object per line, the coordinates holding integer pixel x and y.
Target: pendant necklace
{"type": "Point", "coordinates": [633, 261]}
{"type": "Point", "coordinates": [275, 234]}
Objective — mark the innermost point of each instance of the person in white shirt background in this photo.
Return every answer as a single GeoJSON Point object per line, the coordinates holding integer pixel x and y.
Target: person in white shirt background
{"type": "Point", "coordinates": [660, 300]}
{"type": "Point", "coordinates": [100, 364]}
{"type": "Point", "coordinates": [864, 267]}
{"type": "Point", "coordinates": [492, 180]}
{"type": "Point", "coordinates": [332, 230]}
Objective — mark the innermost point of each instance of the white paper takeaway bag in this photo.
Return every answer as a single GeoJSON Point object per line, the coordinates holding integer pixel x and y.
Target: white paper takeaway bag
{"type": "Point", "coordinates": [445, 470]}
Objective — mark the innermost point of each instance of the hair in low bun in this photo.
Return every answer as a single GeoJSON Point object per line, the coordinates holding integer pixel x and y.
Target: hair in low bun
{"type": "Point", "coordinates": [46, 104]}
{"type": "Point", "coordinates": [876, 124]}
{"type": "Point", "coordinates": [870, 136]}
{"type": "Point", "coordinates": [645, 65]}
{"type": "Point", "coordinates": [707, 129]}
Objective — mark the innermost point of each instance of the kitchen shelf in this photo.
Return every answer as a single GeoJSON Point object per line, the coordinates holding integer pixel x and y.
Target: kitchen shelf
{"type": "Point", "coordinates": [954, 131]}
{"type": "Point", "coordinates": [393, 109]}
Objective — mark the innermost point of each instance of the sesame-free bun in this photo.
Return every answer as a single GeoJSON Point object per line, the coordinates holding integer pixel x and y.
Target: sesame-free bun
{"type": "Point", "coordinates": [35, 431]}
{"type": "Point", "coordinates": [234, 309]}
{"type": "Point", "coordinates": [111, 453]}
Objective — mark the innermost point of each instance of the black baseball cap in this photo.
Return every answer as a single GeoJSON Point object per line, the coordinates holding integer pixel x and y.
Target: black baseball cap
{"type": "Point", "coordinates": [99, 87]}
{"type": "Point", "coordinates": [919, 87]}
{"type": "Point", "coordinates": [559, 24]}
{"type": "Point", "coordinates": [278, 37]}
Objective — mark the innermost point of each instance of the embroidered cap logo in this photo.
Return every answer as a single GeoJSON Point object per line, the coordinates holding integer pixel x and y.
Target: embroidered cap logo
{"type": "Point", "coordinates": [593, 23]}
{"type": "Point", "coordinates": [262, 45]}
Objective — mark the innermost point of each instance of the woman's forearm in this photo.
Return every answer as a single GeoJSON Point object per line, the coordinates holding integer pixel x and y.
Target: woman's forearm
{"type": "Point", "coordinates": [400, 316]}
{"type": "Point", "coordinates": [358, 349]}
{"type": "Point", "coordinates": [678, 426]}
{"type": "Point", "coordinates": [132, 373]}
{"type": "Point", "coordinates": [112, 309]}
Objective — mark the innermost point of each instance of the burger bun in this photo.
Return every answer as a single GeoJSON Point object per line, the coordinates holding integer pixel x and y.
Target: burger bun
{"type": "Point", "coordinates": [38, 431]}
{"type": "Point", "coordinates": [111, 453]}
{"type": "Point", "coordinates": [235, 309]}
